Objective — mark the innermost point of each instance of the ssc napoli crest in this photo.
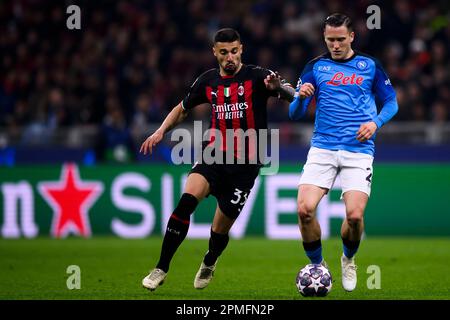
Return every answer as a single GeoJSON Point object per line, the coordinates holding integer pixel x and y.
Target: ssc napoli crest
{"type": "Point", "coordinates": [361, 65]}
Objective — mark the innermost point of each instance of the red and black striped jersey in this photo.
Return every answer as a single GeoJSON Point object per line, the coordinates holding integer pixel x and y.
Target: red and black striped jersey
{"type": "Point", "coordinates": [237, 102]}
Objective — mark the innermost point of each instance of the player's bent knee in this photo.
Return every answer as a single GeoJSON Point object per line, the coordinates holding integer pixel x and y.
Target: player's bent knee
{"type": "Point", "coordinates": [305, 213]}
{"type": "Point", "coordinates": [355, 218]}
{"type": "Point", "coordinates": [197, 185]}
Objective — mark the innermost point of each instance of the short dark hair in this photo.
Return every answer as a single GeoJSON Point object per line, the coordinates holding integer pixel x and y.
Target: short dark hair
{"type": "Point", "coordinates": [227, 35]}
{"type": "Point", "coordinates": [337, 20]}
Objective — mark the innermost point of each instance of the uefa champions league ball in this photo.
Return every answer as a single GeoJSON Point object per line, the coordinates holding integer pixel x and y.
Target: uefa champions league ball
{"type": "Point", "coordinates": [314, 280]}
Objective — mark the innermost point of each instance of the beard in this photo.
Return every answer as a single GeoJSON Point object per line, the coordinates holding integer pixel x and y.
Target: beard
{"type": "Point", "coordinates": [230, 68]}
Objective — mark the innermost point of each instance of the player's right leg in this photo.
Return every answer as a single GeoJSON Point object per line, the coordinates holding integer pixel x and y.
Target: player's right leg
{"type": "Point", "coordinates": [197, 187]}
{"type": "Point", "coordinates": [317, 178]}
{"type": "Point", "coordinates": [309, 197]}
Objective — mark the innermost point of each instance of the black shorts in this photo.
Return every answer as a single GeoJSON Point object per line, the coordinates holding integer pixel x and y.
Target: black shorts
{"type": "Point", "coordinates": [230, 184]}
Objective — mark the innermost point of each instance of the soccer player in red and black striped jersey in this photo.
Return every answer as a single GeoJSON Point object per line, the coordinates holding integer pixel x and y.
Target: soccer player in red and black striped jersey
{"type": "Point", "coordinates": [238, 95]}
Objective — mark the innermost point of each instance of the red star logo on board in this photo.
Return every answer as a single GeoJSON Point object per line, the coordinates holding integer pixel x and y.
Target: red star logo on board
{"type": "Point", "coordinates": [70, 198]}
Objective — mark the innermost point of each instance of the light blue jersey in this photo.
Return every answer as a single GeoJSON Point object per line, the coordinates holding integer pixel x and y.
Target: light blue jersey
{"type": "Point", "coordinates": [346, 92]}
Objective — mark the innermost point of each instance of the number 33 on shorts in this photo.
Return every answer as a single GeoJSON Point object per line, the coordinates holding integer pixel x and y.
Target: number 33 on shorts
{"type": "Point", "coordinates": [241, 197]}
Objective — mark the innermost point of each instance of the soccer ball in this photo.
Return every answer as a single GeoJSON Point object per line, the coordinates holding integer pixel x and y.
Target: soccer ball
{"type": "Point", "coordinates": [314, 280]}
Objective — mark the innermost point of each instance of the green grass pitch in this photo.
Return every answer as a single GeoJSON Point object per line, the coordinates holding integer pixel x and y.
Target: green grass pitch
{"type": "Point", "coordinates": [250, 268]}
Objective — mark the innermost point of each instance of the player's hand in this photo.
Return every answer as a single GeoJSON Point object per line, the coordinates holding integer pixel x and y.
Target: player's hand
{"type": "Point", "coordinates": [366, 131]}
{"type": "Point", "coordinates": [150, 142]}
{"type": "Point", "coordinates": [306, 90]}
{"type": "Point", "coordinates": [273, 81]}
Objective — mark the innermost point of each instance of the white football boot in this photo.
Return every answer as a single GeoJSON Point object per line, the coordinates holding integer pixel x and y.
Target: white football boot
{"type": "Point", "coordinates": [348, 273]}
{"type": "Point", "coordinates": [204, 275]}
{"type": "Point", "coordinates": [154, 279]}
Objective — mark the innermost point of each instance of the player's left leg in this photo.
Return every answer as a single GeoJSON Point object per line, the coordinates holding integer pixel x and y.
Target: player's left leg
{"type": "Point", "coordinates": [356, 180]}
{"type": "Point", "coordinates": [197, 188]}
{"type": "Point", "coordinates": [232, 193]}
{"type": "Point", "coordinates": [351, 232]}
{"type": "Point", "coordinates": [217, 243]}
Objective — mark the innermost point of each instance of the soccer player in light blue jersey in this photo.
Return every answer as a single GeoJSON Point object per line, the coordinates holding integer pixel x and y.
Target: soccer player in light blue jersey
{"type": "Point", "coordinates": [346, 86]}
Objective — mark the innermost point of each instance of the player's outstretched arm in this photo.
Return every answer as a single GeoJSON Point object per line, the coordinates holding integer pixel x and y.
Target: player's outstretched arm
{"type": "Point", "coordinates": [273, 81]}
{"type": "Point", "coordinates": [176, 116]}
{"type": "Point", "coordinates": [298, 107]}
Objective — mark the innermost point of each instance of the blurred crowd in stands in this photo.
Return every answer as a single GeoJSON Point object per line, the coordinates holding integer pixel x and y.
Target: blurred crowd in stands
{"type": "Point", "coordinates": [132, 61]}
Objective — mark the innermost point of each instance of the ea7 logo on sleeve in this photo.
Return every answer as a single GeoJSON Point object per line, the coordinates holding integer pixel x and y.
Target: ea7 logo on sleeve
{"type": "Point", "coordinates": [324, 68]}
{"type": "Point", "coordinates": [340, 79]}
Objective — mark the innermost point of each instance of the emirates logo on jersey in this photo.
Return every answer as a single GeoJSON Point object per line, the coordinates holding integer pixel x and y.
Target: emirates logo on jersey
{"type": "Point", "coordinates": [230, 110]}
{"type": "Point", "coordinates": [340, 79]}
{"type": "Point", "coordinates": [226, 107]}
